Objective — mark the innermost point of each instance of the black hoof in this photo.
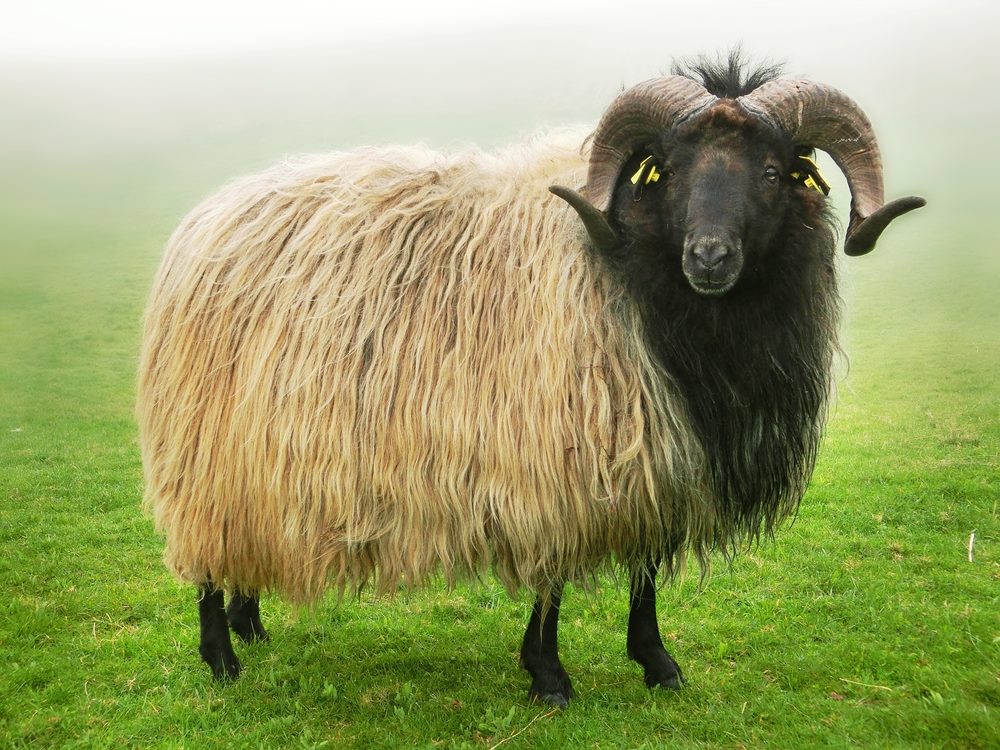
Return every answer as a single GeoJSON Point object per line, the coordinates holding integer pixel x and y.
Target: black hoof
{"type": "Point", "coordinates": [664, 673]}
{"type": "Point", "coordinates": [249, 629]}
{"type": "Point", "coordinates": [674, 682]}
{"type": "Point", "coordinates": [223, 662]}
{"type": "Point", "coordinates": [556, 700]}
{"type": "Point", "coordinates": [243, 616]}
{"type": "Point", "coordinates": [552, 690]}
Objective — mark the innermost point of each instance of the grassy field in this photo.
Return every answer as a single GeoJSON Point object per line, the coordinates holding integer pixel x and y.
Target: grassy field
{"type": "Point", "coordinates": [864, 623]}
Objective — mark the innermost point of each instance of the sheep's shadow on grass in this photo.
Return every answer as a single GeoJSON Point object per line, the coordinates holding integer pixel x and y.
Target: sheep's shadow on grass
{"type": "Point", "coordinates": [462, 643]}
{"type": "Point", "coordinates": [441, 646]}
{"type": "Point", "coordinates": [440, 651]}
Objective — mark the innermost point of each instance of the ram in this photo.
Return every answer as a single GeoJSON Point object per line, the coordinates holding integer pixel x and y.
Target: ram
{"type": "Point", "coordinates": [376, 366]}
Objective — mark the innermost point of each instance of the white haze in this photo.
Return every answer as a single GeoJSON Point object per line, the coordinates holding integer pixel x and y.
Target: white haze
{"type": "Point", "coordinates": [116, 29]}
{"type": "Point", "coordinates": [223, 86]}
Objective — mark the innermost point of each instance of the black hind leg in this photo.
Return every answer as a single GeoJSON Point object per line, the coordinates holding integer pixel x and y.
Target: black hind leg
{"type": "Point", "coordinates": [644, 643]}
{"type": "Point", "coordinates": [540, 654]}
{"type": "Point", "coordinates": [243, 613]}
{"type": "Point", "coordinates": [216, 648]}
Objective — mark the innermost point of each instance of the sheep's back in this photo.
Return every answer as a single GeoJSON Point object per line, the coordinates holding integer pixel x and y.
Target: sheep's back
{"type": "Point", "coordinates": [385, 362]}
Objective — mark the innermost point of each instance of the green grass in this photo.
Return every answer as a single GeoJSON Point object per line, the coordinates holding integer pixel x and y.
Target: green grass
{"type": "Point", "coordinates": [863, 623]}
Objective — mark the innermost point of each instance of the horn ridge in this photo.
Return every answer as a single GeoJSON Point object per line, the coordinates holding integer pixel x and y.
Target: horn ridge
{"type": "Point", "coordinates": [636, 116]}
{"type": "Point", "coordinates": [816, 115]}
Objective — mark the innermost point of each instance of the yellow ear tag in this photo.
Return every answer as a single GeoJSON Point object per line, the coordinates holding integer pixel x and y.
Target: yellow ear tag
{"type": "Point", "coordinates": [813, 177]}
{"type": "Point", "coordinates": [652, 176]}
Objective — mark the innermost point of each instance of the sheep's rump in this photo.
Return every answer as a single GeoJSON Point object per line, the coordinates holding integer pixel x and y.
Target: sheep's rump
{"type": "Point", "coordinates": [379, 364]}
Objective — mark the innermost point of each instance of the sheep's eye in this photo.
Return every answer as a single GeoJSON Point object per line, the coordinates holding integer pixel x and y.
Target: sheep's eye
{"type": "Point", "coordinates": [772, 175]}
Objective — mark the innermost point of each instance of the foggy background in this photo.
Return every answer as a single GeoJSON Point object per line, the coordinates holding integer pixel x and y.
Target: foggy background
{"type": "Point", "coordinates": [118, 117]}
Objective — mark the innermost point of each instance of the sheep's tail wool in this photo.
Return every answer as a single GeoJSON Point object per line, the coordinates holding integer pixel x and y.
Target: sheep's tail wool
{"type": "Point", "coordinates": [367, 367]}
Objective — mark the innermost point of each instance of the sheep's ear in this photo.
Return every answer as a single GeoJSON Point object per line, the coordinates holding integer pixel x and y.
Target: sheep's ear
{"type": "Point", "coordinates": [602, 236]}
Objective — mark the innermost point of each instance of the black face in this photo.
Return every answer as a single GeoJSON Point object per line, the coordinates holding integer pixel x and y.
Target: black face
{"type": "Point", "coordinates": [717, 207]}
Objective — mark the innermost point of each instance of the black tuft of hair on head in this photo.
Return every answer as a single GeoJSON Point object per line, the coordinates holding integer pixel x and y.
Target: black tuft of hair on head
{"type": "Point", "coordinates": [728, 77]}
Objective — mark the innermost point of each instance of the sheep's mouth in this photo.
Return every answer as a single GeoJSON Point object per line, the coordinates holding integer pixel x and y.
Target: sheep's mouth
{"type": "Point", "coordinates": [712, 282]}
{"type": "Point", "coordinates": [710, 287]}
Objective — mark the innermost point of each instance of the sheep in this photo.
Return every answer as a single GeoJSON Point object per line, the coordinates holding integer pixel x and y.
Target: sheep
{"type": "Point", "coordinates": [377, 366]}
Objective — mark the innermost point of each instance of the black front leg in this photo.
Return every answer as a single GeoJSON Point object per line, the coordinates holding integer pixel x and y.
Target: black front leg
{"type": "Point", "coordinates": [643, 642]}
{"type": "Point", "coordinates": [540, 654]}
{"type": "Point", "coordinates": [216, 648]}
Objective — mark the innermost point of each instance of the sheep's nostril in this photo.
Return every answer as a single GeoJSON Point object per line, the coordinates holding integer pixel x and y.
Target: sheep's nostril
{"type": "Point", "coordinates": [710, 252]}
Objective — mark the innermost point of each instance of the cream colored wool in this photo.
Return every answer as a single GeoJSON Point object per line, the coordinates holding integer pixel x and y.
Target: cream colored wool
{"type": "Point", "coordinates": [375, 365]}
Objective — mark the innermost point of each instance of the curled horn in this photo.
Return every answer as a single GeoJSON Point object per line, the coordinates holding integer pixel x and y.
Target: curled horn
{"type": "Point", "coordinates": [819, 116]}
{"type": "Point", "coordinates": [635, 118]}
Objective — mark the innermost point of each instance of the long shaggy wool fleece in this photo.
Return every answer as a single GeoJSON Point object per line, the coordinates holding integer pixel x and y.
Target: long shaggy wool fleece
{"type": "Point", "coordinates": [375, 365]}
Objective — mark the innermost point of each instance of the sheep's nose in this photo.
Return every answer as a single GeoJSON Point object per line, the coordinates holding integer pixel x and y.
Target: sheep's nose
{"type": "Point", "coordinates": [711, 251]}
